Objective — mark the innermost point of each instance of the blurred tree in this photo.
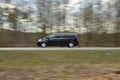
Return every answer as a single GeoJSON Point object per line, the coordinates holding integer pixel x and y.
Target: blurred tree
{"type": "Point", "coordinates": [88, 17]}
{"type": "Point", "coordinates": [117, 27]}
{"type": "Point", "coordinates": [44, 13]}
{"type": "Point", "coordinates": [52, 12]}
{"type": "Point", "coordinates": [117, 5]}
{"type": "Point", "coordinates": [13, 19]}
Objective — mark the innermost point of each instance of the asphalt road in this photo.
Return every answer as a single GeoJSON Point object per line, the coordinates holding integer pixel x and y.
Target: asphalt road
{"type": "Point", "coordinates": [63, 48]}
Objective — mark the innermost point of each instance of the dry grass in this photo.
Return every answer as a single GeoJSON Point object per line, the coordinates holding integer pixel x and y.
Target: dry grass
{"type": "Point", "coordinates": [61, 72]}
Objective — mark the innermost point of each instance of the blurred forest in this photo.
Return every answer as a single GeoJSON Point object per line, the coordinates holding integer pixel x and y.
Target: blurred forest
{"type": "Point", "coordinates": [23, 22]}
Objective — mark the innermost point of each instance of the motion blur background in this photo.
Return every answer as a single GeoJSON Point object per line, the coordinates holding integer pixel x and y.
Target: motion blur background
{"type": "Point", "coordinates": [23, 22]}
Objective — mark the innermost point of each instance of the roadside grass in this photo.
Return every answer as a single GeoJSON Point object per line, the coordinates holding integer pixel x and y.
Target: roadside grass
{"type": "Point", "coordinates": [54, 57]}
{"type": "Point", "coordinates": [60, 65]}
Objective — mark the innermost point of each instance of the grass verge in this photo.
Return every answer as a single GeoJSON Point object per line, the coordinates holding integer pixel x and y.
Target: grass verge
{"type": "Point", "coordinates": [59, 57]}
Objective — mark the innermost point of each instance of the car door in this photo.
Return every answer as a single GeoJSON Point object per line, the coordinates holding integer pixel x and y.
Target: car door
{"type": "Point", "coordinates": [53, 41]}
{"type": "Point", "coordinates": [62, 40]}
{"type": "Point", "coordinates": [66, 39]}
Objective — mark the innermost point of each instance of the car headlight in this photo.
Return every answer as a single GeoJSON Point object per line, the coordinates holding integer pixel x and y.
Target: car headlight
{"type": "Point", "coordinates": [39, 40]}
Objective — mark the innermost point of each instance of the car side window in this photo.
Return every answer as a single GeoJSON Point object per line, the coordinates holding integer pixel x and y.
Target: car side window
{"type": "Point", "coordinates": [67, 36]}
{"type": "Point", "coordinates": [57, 36]}
{"type": "Point", "coordinates": [54, 36]}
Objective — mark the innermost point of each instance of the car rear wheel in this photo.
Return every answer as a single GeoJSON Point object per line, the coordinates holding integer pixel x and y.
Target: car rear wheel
{"type": "Point", "coordinates": [43, 45]}
{"type": "Point", "coordinates": [70, 44]}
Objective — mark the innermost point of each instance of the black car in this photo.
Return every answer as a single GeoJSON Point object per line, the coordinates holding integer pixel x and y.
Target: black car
{"type": "Point", "coordinates": [59, 39]}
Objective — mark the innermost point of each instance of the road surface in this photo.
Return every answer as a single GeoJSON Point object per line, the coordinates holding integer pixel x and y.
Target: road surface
{"type": "Point", "coordinates": [63, 48]}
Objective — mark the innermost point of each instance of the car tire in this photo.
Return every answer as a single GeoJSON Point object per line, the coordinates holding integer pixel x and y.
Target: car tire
{"type": "Point", "coordinates": [71, 44]}
{"type": "Point", "coordinates": [43, 45]}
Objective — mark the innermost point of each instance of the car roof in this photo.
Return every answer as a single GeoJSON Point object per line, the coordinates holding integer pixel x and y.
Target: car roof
{"type": "Point", "coordinates": [73, 34]}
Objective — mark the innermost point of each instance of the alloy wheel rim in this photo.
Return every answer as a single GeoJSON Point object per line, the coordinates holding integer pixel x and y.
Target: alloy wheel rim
{"type": "Point", "coordinates": [43, 44]}
{"type": "Point", "coordinates": [70, 44]}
